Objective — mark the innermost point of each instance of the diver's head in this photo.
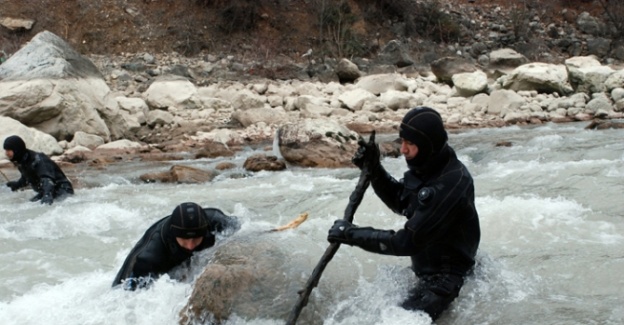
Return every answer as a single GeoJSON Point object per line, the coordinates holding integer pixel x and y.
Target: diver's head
{"type": "Point", "coordinates": [189, 225]}
{"type": "Point", "coordinates": [424, 128]}
{"type": "Point", "coordinates": [14, 148]}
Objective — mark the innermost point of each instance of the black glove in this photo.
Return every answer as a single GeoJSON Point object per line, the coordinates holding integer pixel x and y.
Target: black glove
{"type": "Point", "coordinates": [47, 199]}
{"type": "Point", "coordinates": [367, 154]}
{"type": "Point", "coordinates": [132, 284]}
{"type": "Point", "coordinates": [367, 238]}
{"type": "Point", "coordinates": [13, 185]}
{"type": "Point", "coordinates": [339, 232]}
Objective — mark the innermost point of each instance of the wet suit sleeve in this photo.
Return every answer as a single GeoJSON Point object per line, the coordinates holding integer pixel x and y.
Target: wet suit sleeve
{"type": "Point", "coordinates": [147, 260]}
{"type": "Point", "coordinates": [16, 185]}
{"type": "Point", "coordinates": [387, 188]}
{"type": "Point", "coordinates": [22, 181]}
{"type": "Point", "coordinates": [220, 222]}
{"type": "Point", "coordinates": [430, 219]}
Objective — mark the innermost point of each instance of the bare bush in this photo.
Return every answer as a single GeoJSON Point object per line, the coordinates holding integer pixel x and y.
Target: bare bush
{"type": "Point", "coordinates": [424, 18]}
{"type": "Point", "coordinates": [10, 44]}
{"type": "Point", "coordinates": [335, 20]}
{"type": "Point", "coordinates": [239, 16]}
{"type": "Point", "coordinates": [235, 15]}
{"type": "Point", "coordinates": [520, 16]}
{"type": "Point", "coordinates": [614, 13]}
{"type": "Point", "coordinates": [434, 23]}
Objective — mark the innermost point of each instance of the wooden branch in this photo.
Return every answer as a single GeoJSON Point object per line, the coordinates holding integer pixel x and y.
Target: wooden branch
{"type": "Point", "coordinates": [5, 176]}
{"type": "Point", "coordinates": [354, 201]}
{"type": "Point", "coordinates": [293, 224]}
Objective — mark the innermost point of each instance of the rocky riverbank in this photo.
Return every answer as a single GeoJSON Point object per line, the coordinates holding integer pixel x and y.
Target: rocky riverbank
{"type": "Point", "coordinates": [98, 110]}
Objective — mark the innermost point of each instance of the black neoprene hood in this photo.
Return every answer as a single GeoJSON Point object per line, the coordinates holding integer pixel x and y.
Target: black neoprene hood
{"type": "Point", "coordinates": [17, 145]}
{"type": "Point", "coordinates": [188, 220]}
{"type": "Point", "coordinates": [423, 126]}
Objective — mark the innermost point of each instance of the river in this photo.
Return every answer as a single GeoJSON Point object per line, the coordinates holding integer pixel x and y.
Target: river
{"type": "Point", "coordinates": [550, 206]}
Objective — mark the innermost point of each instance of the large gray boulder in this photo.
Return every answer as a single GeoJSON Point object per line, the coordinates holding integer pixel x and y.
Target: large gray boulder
{"type": "Point", "coordinates": [615, 80]}
{"type": "Point", "coordinates": [589, 24]}
{"type": "Point", "coordinates": [172, 91]}
{"type": "Point", "coordinates": [380, 83]}
{"type": "Point", "coordinates": [47, 56]}
{"type": "Point", "coordinates": [506, 58]}
{"type": "Point", "coordinates": [269, 116]}
{"type": "Point", "coordinates": [252, 277]}
{"type": "Point", "coordinates": [34, 139]}
{"type": "Point", "coordinates": [347, 71]}
{"type": "Point", "coordinates": [503, 101]}
{"type": "Point", "coordinates": [542, 77]}
{"type": "Point", "coordinates": [470, 83]}
{"type": "Point", "coordinates": [587, 75]}
{"type": "Point", "coordinates": [317, 143]}
{"type": "Point", "coordinates": [395, 53]}
{"type": "Point", "coordinates": [444, 68]}
{"type": "Point", "coordinates": [51, 87]}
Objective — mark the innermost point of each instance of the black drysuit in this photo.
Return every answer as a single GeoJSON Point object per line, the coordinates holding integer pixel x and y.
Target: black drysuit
{"type": "Point", "coordinates": [442, 231]}
{"type": "Point", "coordinates": [157, 252]}
{"type": "Point", "coordinates": [43, 175]}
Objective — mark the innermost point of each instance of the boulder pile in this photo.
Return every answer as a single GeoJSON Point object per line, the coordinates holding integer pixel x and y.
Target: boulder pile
{"type": "Point", "coordinates": [48, 90]}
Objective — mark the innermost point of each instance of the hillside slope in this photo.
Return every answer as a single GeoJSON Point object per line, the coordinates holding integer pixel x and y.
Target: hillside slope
{"type": "Point", "coordinates": [263, 29]}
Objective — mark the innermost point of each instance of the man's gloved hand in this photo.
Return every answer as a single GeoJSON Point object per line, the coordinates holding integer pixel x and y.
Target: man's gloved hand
{"type": "Point", "coordinates": [367, 153]}
{"type": "Point", "coordinates": [339, 232]}
{"type": "Point", "coordinates": [131, 284]}
{"type": "Point", "coordinates": [36, 197]}
{"type": "Point", "coordinates": [47, 199]}
{"type": "Point", "coordinates": [367, 238]}
{"type": "Point", "coordinates": [13, 185]}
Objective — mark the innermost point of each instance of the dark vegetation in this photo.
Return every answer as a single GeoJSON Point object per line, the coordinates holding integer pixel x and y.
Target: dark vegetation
{"type": "Point", "coordinates": [267, 29]}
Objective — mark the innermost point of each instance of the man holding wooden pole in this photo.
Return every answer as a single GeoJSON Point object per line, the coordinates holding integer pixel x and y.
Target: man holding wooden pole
{"type": "Point", "coordinates": [436, 195]}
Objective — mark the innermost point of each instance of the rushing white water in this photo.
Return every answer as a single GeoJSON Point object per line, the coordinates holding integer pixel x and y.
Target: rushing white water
{"type": "Point", "coordinates": [551, 215]}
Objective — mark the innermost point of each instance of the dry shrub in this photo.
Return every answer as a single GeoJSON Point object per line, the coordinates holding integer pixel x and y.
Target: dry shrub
{"type": "Point", "coordinates": [240, 16]}
{"type": "Point", "coordinates": [335, 21]}
{"type": "Point", "coordinates": [424, 18]}
{"type": "Point", "coordinates": [11, 43]}
{"type": "Point", "coordinates": [235, 15]}
{"type": "Point", "coordinates": [614, 13]}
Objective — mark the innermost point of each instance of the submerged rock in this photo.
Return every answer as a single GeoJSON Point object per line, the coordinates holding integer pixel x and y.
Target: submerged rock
{"type": "Point", "coordinates": [252, 277]}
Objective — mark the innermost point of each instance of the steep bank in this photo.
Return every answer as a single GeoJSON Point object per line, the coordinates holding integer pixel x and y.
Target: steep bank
{"type": "Point", "coordinates": [285, 30]}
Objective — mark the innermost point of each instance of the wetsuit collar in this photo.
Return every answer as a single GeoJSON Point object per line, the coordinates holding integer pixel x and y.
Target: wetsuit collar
{"type": "Point", "coordinates": [435, 163]}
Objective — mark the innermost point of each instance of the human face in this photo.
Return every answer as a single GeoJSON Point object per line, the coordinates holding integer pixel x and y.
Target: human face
{"type": "Point", "coordinates": [9, 153]}
{"type": "Point", "coordinates": [408, 149]}
{"type": "Point", "coordinates": [189, 243]}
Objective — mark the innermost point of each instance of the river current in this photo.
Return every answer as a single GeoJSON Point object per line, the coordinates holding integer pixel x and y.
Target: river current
{"type": "Point", "coordinates": [552, 248]}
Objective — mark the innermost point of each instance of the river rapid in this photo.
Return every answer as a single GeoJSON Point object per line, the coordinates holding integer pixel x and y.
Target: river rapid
{"type": "Point", "coordinates": [550, 206]}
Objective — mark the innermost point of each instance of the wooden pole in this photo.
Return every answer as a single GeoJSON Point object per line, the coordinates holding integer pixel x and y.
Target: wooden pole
{"type": "Point", "coordinates": [5, 176]}
{"type": "Point", "coordinates": [354, 201]}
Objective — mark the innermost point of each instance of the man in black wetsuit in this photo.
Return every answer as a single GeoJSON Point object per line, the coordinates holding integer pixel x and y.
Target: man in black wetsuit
{"type": "Point", "coordinates": [436, 195]}
{"type": "Point", "coordinates": [38, 171]}
{"type": "Point", "coordinates": [172, 241]}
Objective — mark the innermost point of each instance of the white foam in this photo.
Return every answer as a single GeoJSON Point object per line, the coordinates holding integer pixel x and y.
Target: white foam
{"type": "Point", "coordinates": [88, 299]}
{"type": "Point", "coordinates": [521, 222]}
